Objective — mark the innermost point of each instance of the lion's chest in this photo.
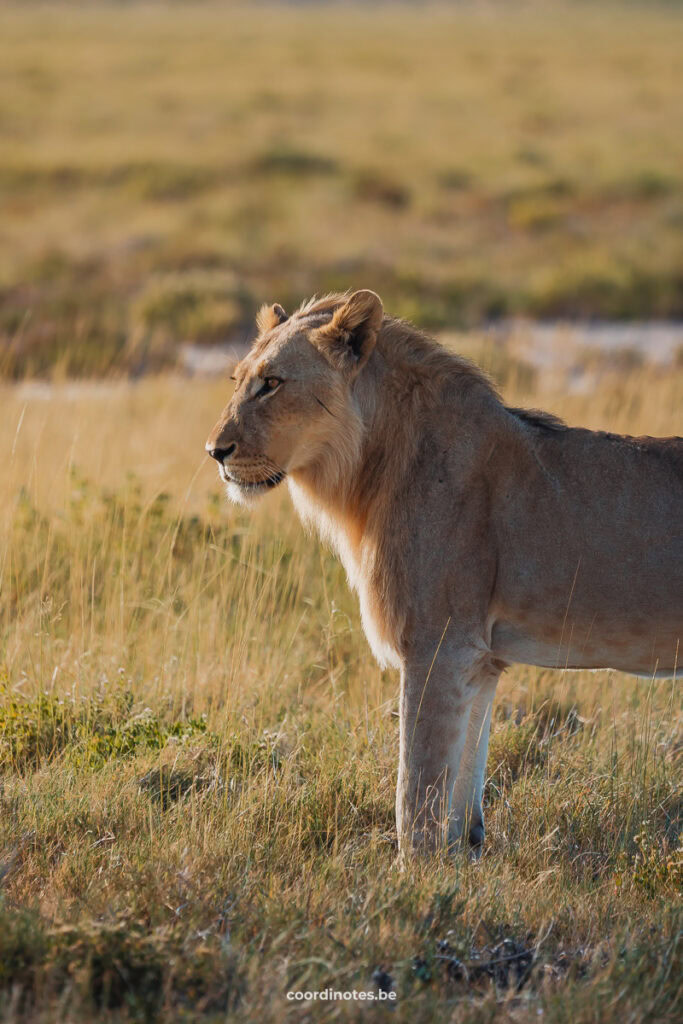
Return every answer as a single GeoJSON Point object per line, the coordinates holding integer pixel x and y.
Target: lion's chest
{"type": "Point", "coordinates": [358, 564]}
{"type": "Point", "coordinates": [375, 630]}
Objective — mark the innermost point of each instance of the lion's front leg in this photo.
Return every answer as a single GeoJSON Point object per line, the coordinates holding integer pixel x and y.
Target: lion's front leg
{"type": "Point", "coordinates": [436, 702]}
{"type": "Point", "coordinates": [466, 811]}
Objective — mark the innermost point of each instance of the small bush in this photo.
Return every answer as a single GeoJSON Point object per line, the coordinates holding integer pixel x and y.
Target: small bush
{"type": "Point", "coordinates": [35, 730]}
{"type": "Point", "coordinates": [455, 179]}
{"type": "Point", "coordinates": [376, 186]}
{"type": "Point", "coordinates": [144, 731]}
{"type": "Point", "coordinates": [656, 867]}
{"type": "Point", "coordinates": [92, 731]}
{"type": "Point", "coordinates": [23, 948]}
{"type": "Point", "coordinates": [288, 160]}
{"type": "Point", "coordinates": [112, 966]}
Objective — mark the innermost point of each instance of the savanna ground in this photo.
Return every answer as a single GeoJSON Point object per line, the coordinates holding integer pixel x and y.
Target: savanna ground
{"type": "Point", "coordinates": [197, 752]}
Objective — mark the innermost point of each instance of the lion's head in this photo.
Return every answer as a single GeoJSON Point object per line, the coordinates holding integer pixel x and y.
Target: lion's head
{"type": "Point", "coordinates": [293, 407]}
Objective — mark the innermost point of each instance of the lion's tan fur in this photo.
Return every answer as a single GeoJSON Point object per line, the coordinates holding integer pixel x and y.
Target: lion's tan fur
{"type": "Point", "coordinates": [475, 535]}
{"type": "Point", "coordinates": [341, 496]}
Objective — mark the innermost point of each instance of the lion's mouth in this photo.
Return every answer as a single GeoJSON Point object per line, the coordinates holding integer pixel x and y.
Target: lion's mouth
{"type": "Point", "coordinates": [252, 486]}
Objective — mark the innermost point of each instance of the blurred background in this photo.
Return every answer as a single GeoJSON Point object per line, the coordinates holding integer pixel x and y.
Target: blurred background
{"type": "Point", "coordinates": [491, 169]}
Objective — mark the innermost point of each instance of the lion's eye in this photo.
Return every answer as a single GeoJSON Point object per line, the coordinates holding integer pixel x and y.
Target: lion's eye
{"type": "Point", "coordinates": [269, 385]}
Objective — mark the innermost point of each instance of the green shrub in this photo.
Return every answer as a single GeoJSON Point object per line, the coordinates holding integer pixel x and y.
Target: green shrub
{"type": "Point", "coordinates": [92, 731]}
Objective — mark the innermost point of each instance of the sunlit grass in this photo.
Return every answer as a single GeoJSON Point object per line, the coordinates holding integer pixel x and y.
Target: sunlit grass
{"type": "Point", "coordinates": [198, 758]}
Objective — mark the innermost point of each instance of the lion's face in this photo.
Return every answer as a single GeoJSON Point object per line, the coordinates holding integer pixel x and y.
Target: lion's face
{"type": "Point", "coordinates": [292, 400]}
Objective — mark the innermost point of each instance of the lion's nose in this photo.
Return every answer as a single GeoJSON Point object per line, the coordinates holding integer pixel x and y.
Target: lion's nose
{"type": "Point", "coordinates": [219, 454]}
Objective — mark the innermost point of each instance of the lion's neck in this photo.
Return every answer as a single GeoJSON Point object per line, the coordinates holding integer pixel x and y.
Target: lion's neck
{"type": "Point", "coordinates": [351, 504]}
{"type": "Point", "coordinates": [357, 508]}
{"type": "Point", "coordinates": [346, 532]}
{"type": "Point", "coordinates": [411, 397]}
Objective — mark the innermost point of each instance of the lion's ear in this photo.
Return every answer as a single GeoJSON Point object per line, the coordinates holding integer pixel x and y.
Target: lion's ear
{"type": "Point", "coordinates": [270, 316]}
{"type": "Point", "coordinates": [350, 336]}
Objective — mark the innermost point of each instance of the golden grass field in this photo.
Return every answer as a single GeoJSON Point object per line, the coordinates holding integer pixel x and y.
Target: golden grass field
{"type": "Point", "coordinates": [198, 758]}
{"type": "Point", "coordinates": [166, 167]}
{"type": "Point", "coordinates": [198, 753]}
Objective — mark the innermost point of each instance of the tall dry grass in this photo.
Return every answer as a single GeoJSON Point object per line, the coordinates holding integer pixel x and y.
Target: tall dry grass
{"type": "Point", "coordinates": [198, 759]}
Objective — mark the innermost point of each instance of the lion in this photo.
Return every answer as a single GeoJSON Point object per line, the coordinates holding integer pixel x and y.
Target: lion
{"type": "Point", "coordinates": [476, 535]}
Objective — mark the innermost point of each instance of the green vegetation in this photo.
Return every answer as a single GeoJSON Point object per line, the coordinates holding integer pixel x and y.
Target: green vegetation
{"type": "Point", "coordinates": [198, 760]}
{"type": "Point", "coordinates": [32, 732]}
{"type": "Point", "coordinates": [167, 168]}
